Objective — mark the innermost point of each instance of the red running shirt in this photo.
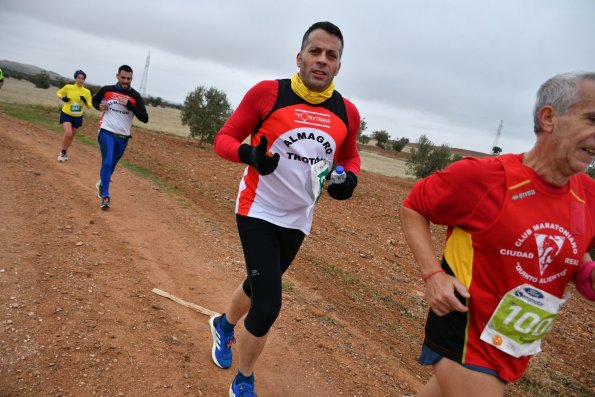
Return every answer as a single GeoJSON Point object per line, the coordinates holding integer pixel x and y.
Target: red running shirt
{"type": "Point", "coordinates": [506, 227]}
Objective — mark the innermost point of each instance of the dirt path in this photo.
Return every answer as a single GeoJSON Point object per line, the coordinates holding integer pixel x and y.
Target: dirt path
{"type": "Point", "coordinates": [78, 318]}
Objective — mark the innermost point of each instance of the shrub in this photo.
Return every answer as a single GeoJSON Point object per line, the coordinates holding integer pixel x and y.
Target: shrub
{"type": "Point", "coordinates": [205, 111]}
{"type": "Point", "coordinates": [399, 144]}
{"type": "Point", "coordinates": [41, 80]}
{"type": "Point", "coordinates": [381, 138]}
{"type": "Point", "coordinates": [426, 158]}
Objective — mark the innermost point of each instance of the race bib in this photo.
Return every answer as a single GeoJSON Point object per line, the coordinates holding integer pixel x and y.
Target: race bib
{"type": "Point", "coordinates": [521, 320]}
{"type": "Point", "coordinates": [319, 171]}
{"type": "Point", "coordinates": [76, 108]}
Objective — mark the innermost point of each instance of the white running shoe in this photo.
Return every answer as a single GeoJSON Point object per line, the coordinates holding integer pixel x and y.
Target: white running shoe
{"type": "Point", "coordinates": [99, 189]}
{"type": "Point", "coordinates": [62, 157]}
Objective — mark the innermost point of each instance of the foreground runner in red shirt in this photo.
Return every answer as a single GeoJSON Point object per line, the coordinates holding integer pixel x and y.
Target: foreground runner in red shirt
{"type": "Point", "coordinates": [299, 127]}
{"type": "Point", "coordinates": [520, 228]}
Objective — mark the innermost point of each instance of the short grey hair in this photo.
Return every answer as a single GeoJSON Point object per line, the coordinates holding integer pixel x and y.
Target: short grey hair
{"type": "Point", "coordinates": [559, 92]}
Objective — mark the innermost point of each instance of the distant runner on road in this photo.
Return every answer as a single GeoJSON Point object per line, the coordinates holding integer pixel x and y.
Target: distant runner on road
{"type": "Point", "coordinates": [74, 96]}
{"type": "Point", "coordinates": [119, 104]}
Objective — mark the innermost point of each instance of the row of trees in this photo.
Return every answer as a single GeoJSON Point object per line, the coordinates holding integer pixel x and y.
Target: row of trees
{"type": "Point", "coordinates": [381, 137]}
{"type": "Point", "coordinates": [425, 159]}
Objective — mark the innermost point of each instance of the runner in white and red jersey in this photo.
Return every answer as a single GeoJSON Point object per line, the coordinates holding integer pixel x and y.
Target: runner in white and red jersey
{"type": "Point", "coordinates": [520, 228]}
{"type": "Point", "coordinates": [120, 103]}
{"type": "Point", "coordinates": [299, 128]}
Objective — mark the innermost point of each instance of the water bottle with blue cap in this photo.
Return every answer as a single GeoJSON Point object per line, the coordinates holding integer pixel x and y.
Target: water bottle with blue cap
{"type": "Point", "coordinates": [338, 175]}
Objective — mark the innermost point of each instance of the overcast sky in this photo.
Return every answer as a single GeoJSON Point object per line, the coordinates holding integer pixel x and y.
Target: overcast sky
{"type": "Point", "coordinates": [449, 69]}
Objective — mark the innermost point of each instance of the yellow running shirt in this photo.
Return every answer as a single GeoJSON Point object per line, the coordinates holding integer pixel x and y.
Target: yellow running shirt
{"type": "Point", "coordinates": [74, 106]}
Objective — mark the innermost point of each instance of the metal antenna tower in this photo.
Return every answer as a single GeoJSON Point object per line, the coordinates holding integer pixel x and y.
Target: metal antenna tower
{"type": "Point", "coordinates": [498, 133]}
{"type": "Point", "coordinates": [143, 83]}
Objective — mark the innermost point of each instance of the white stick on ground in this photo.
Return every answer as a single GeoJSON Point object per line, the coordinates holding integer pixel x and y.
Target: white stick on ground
{"type": "Point", "coordinates": [182, 302]}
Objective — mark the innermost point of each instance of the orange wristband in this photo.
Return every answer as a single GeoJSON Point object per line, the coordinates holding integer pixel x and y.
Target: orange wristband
{"type": "Point", "coordinates": [424, 278]}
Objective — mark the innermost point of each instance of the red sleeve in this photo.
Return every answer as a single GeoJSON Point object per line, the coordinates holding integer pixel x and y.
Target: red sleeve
{"type": "Point", "coordinates": [348, 155]}
{"type": "Point", "coordinates": [255, 105]}
{"type": "Point", "coordinates": [468, 193]}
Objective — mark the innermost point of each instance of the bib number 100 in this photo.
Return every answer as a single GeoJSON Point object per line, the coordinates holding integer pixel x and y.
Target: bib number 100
{"type": "Point", "coordinates": [527, 322]}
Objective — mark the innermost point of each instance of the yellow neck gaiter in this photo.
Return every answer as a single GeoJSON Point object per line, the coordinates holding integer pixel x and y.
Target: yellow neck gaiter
{"type": "Point", "coordinates": [313, 97]}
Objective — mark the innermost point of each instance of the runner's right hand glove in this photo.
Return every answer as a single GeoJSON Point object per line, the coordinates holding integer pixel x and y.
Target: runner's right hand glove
{"type": "Point", "coordinates": [258, 157]}
{"type": "Point", "coordinates": [343, 190]}
{"type": "Point", "coordinates": [65, 98]}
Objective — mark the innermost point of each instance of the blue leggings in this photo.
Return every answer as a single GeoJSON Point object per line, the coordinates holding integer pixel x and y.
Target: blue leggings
{"type": "Point", "coordinates": [269, 250]}
{"type": "Point", "coordinates": [112, 148]}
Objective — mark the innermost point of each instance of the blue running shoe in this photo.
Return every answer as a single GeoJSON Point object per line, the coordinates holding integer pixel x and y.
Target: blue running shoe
{"type": "Point", "coordinates": [105, 203]}
{"type": "Point", "coordinates": [241, 390]}
{"type": "Point", "coordinates": [222, 343]}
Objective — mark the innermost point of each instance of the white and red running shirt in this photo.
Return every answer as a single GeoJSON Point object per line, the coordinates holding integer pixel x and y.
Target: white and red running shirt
{"type": "Point", "coordinates": [118, 118]}
{"type": "Point", "coordinates": [303, 134]}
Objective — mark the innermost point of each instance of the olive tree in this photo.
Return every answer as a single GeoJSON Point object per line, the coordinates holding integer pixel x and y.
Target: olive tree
{"type": "Point", "coordinates": [205, 111]}
{"type": "Point", "coordinates": [399, 144]}
{"type": "Point", "coordinates": [426, 158]}
{"type": "Point", "coordinates": [381, 138]}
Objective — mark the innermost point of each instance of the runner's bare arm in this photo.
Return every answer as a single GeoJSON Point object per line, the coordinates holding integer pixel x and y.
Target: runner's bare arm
{"type": "Point", "coordinates": [440, 287]}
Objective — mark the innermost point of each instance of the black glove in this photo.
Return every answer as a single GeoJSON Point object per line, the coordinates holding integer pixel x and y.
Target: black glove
{"type": "Point", "coordinates": [83, 99]}
{"type": "Point", "coordinates": [344, 190]}
{"type": "Point", "coordinates": [257, 157]}
{"type": "Point", "coordinates": [65, 98]}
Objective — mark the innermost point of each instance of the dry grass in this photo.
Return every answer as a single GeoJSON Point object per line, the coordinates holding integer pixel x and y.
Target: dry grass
{"type": "Point", "coordinates": [168, 120]}
{"type": "Point", "coordinates": [22, 91]}
{"type": "Point", "coordinates": [383, 165]}
{"type": "Point", "coordinates": [537, 382]}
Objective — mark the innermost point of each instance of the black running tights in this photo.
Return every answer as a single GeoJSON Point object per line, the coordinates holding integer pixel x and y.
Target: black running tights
{"type": "Point", "coordinates": [268, 250]}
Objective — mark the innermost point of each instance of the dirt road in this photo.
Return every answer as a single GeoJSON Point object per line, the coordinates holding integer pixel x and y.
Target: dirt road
{"type": "Point", "coordinates": [78, 317]}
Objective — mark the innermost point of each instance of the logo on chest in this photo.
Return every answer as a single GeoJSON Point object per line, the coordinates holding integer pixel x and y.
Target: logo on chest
{"type": "Point", "coordinates": [544, 242]}
{"type": "Point", "coordinates": [309, 117]}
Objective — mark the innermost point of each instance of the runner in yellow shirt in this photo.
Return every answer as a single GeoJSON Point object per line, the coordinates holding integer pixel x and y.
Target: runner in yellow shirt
{"type": "Point", "coordinates": [1, 79]}
{"type": "Point", "coordinates": [74, 96]}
